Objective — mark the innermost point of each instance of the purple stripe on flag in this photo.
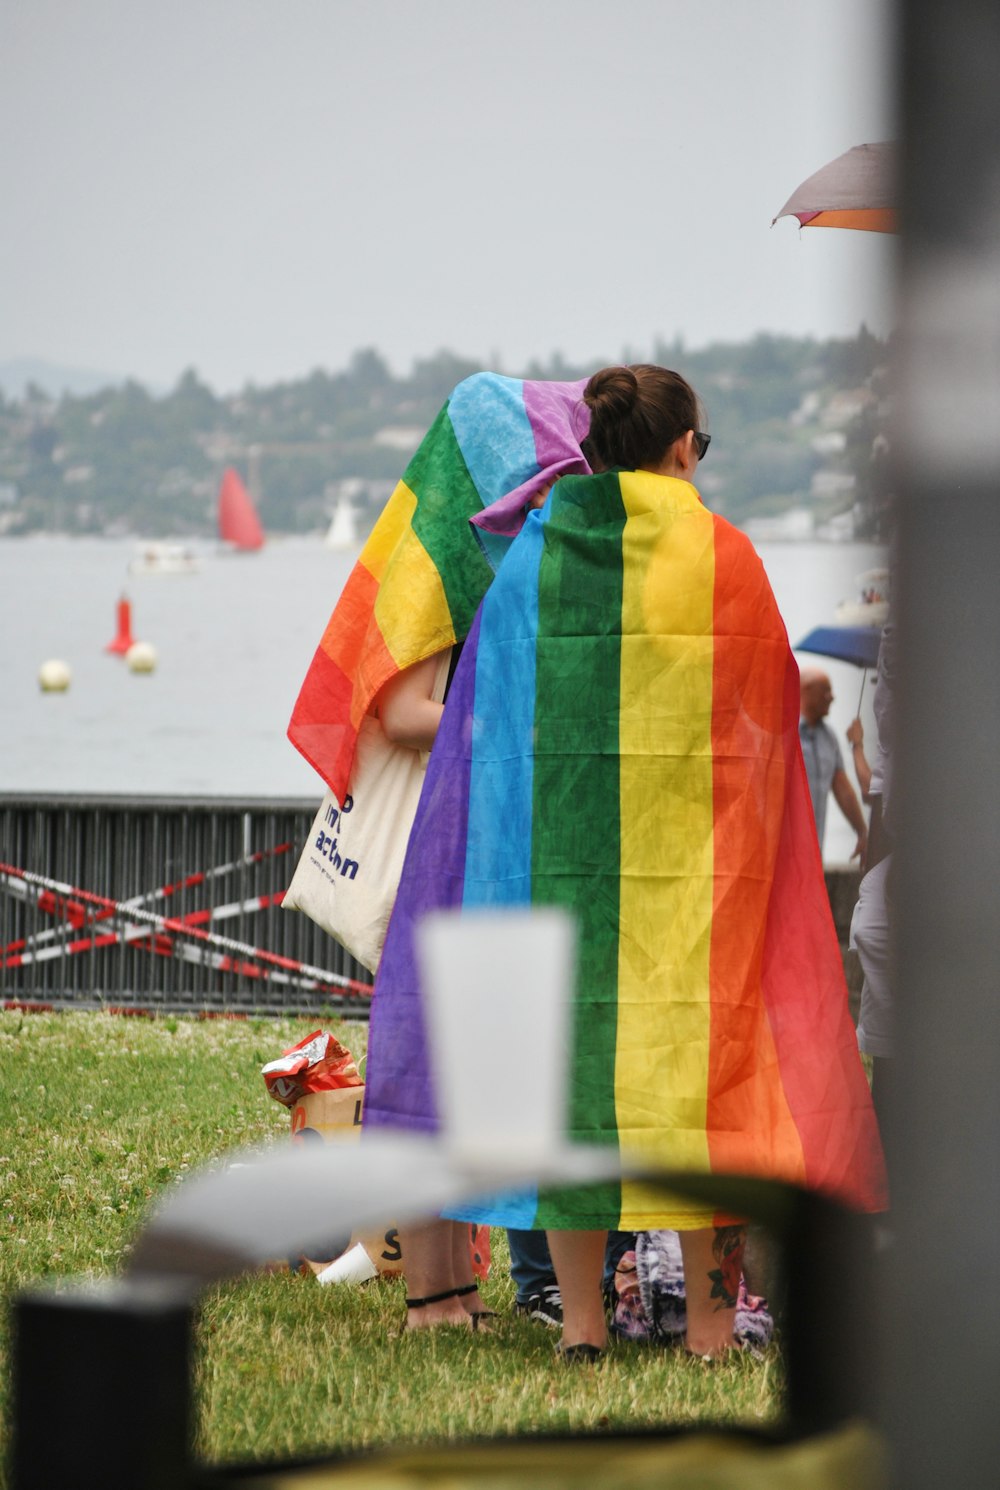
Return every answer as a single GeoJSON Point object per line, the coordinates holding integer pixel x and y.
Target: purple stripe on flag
{"type": "Point", "coordinates": [559, 420]}
{"type": "Point", "coordinates": [399, 1091]}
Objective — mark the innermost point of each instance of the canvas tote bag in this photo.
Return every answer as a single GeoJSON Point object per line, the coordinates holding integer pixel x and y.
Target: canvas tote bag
{"type": "Point", "coordinates": [348, 873]}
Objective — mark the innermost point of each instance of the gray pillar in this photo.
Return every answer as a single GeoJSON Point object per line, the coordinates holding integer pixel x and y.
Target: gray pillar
{"type": "Point", "coordinates": [941, 1373]}
{"type": "Point", "coordinates": [102, 1390]}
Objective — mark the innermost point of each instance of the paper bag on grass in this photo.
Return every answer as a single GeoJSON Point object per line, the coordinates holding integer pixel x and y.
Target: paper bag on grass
{"type": "Point", "coordinates": [319, 1082]}
{"type": "Point", "coordinates": [332, 1116]}
{"type": "Point", "coordinates": [320, 1116]}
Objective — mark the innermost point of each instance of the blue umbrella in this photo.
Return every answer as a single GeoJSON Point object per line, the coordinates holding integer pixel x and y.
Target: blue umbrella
{"type": "Point", "coordinates": [857, 644]}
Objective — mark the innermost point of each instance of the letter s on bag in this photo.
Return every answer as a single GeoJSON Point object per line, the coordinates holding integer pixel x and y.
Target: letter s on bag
{"type": "Point", "coordinates": [392, 1251]}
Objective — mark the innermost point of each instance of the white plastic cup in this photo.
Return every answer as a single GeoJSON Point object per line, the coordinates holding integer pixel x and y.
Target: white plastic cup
{"type": "Point", "coordinates": [497, 987]}
{"type": "Point", "coordinates": [354, 1267]}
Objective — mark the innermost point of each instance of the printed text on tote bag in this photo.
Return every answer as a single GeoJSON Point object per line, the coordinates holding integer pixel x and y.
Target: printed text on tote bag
{"type": "Point", "coordinates": [327, 845]}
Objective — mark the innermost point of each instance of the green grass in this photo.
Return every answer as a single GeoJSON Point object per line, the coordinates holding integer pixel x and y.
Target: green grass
{"type": "Point", "coordinates": [98, 1113]}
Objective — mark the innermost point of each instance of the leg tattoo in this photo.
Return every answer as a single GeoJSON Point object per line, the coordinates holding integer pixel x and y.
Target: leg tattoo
{"type": "Point", "coordinates": [727, 1248]}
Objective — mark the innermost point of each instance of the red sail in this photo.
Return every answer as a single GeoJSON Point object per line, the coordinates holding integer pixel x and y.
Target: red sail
{"type": "Point", "coordinates": [238, 522]}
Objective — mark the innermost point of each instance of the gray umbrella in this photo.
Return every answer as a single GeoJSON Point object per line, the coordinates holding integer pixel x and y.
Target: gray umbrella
{"type": "Point", "coordinates": [857, 190]}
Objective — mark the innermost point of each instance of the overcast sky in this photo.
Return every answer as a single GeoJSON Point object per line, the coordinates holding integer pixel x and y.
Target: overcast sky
{"type": "Point", "coordinates": [259, 187]}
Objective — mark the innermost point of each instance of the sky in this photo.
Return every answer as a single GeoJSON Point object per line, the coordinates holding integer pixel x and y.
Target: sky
{"type": "Point", "coordinates": [257, 188]}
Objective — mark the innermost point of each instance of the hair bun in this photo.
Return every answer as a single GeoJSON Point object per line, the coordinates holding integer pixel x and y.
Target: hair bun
{"type": "Point", "coordinates": [612, 392]}
{"type": "Point", "coordinates": [636, 414]}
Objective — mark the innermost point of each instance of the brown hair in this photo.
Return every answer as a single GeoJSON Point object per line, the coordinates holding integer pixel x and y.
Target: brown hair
{"type": "Point", "coordinates": [636, 414]}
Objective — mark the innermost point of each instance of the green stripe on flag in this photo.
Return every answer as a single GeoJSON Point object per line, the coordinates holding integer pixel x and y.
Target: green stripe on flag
{"type": "Point", "coordinates": [576, 840]}
{"type": "Point", "coordinates": [446, 498]}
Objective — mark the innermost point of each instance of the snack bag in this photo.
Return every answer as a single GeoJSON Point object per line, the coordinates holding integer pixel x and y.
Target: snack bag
{"type": "Point", "coordinates": [319, 1063]}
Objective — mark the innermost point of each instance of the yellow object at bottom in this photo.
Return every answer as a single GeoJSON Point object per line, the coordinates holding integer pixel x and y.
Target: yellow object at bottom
{"type": "Point", "coordinates": [853, 1456]}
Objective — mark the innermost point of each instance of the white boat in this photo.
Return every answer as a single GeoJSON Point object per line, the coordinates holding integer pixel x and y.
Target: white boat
{"type": "Point", "coordinates": [870, 605]}
{"type": "Point", "coordinates": [342, 533]}
{"type": "Point", "coordinates": [161, 556]}
{"type": "Point", "coordinates": [794, 526]}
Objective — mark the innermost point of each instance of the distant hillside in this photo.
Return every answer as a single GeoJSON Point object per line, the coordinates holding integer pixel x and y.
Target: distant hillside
{"type": "Point", "coordinates": [17, 374]}
{"type": "Point", "coordinates": [797, 427]}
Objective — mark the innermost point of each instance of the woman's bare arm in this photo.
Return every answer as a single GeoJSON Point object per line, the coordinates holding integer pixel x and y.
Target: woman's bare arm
{"type": "Point", "coordinates": [408, 713]}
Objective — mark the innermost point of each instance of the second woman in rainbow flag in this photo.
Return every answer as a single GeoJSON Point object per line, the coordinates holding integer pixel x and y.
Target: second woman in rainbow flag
{"type": "Point", "coordinates": [621, 739]}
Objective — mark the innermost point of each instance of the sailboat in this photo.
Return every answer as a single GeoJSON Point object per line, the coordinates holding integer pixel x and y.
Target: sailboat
{"type": "Point", "coordinates": [342, 532]}
{"type": "Point", "coordinates": [239, 525]}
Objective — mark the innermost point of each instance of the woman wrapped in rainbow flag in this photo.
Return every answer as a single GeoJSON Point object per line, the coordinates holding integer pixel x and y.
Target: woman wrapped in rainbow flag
{"type": "Point", "coordinates": [621, 738]}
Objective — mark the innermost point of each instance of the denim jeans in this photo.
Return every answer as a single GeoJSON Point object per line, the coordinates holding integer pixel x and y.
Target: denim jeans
{"type": "Point", "coordinates": [530, 1263]}
{"type": "Point", "coordinates": [531, 1266]}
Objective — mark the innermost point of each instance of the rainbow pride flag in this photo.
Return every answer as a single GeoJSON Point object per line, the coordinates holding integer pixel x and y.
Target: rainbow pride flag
{"type": "Point", "coordinates": [432, 553]}
{"type": "Point", "coordinates": [621, 738]}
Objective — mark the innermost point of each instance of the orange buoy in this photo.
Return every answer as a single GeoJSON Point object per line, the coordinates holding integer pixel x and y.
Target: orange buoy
{"type": "Point", "coordinates": [124, 640]}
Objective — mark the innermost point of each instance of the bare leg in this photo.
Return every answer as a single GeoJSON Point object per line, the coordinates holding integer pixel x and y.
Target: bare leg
{"type": "Point", "coordinates": [428, 1255]}
{"type": "Point", "coordinates": [578, 1259]}
{"type": "Point", "coordinates": [462, 1270]}
{"type": "Point", "coordinates": [713, 1262]}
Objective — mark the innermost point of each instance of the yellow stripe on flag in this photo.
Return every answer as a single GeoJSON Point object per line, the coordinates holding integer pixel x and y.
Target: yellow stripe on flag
{"type": "Point", "coordinates": [664, 1014]}
{"type": "Point", "coordinates": [396, 518]}
{"type": "Point", "coordinates": [393, 523]}
{"type": "Point", "coordinates": [412, 610]}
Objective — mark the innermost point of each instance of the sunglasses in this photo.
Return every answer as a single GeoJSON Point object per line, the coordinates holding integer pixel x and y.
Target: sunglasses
{"type": "Point", "coordinates": [702, 442]}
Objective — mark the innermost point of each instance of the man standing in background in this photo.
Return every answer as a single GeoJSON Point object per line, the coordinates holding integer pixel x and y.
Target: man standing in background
{"type": "Point", "coordinates": [824, 762]}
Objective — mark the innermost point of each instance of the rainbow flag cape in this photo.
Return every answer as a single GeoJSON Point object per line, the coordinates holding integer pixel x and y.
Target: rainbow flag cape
{"type": "Point", "coordinates": [425, 567]}
{"type": "Point", "coordinates": [621, 738]}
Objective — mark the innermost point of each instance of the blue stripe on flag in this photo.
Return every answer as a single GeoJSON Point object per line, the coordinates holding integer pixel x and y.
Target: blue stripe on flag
{"type": "Point", "coordinates": [498, 865]}
{"type": "Point", "coordinates": [494, 433]}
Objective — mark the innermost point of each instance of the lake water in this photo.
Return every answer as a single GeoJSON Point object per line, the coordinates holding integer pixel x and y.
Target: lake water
{"type": "Point", "coordinates": [233, 643]}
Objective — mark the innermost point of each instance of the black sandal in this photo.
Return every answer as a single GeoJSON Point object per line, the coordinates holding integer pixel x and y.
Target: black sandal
{"type": "Point", "coordinates": [573, 1355]}
{"type": "Point", "coordinates": [434, 1298]}
{"type": "Point", "coordinates": [464, 1291]}
{"type": "Point", "coordinates": [454, 1293]}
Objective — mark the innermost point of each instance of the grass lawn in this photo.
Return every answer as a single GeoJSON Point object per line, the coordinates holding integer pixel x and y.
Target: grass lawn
{"type": "Point", "coordinates": [98, 1113]}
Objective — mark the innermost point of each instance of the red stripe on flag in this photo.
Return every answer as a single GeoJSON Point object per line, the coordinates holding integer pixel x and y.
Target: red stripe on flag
{"type": "Point", "coordinates": [750, 1127]}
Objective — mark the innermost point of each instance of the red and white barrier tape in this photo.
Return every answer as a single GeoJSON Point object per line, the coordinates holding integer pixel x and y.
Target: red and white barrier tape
{"type": "Point", "coordinates": [165, 946]}
{"type": "Point", "coordinates": [75, 915]}
{"type": "Point", "coordinates": [122, 910]}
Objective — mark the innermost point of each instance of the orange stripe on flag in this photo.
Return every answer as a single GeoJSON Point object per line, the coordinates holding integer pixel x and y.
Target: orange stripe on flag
{"type": "Point", "coordinates": [354, 644]}
{"type": "Point", "coordinates": [349, 667]}
{"type": "Point", "coordinates": [750, 1125]}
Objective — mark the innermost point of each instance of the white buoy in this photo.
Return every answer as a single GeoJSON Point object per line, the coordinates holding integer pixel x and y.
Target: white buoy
{"type": "Point", "coordinates": [141, 658]}
{"type": "Point", "coordinates": [54, 676]}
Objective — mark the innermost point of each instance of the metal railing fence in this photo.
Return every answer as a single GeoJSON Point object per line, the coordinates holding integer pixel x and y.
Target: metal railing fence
{"type": "Point", "coordinates": [134, 868]}
{"type": "Point", "coordinates": [220, 865]}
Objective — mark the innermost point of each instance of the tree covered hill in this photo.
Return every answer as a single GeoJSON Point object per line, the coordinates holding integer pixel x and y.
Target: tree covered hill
{"type": "Point", "coordinates": [795, 423]}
